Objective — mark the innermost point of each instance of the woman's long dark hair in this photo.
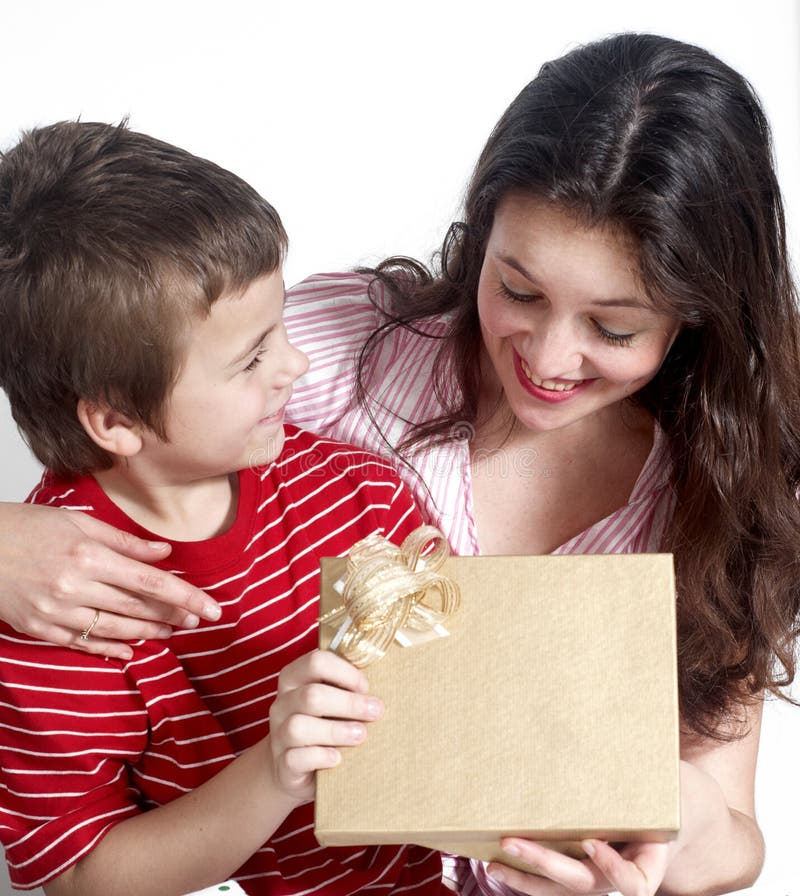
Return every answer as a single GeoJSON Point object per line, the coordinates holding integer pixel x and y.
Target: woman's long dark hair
{"type": "Point", "coordinates": [667, 144]}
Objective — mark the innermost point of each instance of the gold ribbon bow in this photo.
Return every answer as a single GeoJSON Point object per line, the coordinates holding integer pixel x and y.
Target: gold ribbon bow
{"type": "Point", "coordinates": [389, 589]}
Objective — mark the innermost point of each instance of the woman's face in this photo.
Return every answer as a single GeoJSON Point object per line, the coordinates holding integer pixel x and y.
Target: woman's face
{"type": "Point", "coordinates": [565, 322]}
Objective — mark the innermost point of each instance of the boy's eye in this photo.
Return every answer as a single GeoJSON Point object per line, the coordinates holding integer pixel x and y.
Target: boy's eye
{"type": "Point", "coordinates": [256, 360]}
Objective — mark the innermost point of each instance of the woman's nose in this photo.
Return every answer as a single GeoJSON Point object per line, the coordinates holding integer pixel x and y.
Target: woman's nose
{"type": "Point", "coordinates": [553, 349]}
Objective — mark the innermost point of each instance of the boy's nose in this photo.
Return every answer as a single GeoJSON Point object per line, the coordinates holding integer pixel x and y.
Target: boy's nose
{"type": "Point", "coordinates": [295, 363]}
{"type": "Point", "coordinates": [299, 361]}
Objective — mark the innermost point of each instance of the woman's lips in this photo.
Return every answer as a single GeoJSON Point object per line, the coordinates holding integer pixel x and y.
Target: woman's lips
{"type": "Point", "coordinates": [554, 391]}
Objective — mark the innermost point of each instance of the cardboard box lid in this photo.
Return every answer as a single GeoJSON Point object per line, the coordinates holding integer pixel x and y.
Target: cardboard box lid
{"type": "Point", "coordinates": [550, 712]}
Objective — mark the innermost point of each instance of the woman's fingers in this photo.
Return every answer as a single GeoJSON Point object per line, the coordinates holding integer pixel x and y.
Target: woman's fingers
{"type": "Point", "coordinates": [554, 874]}
{"type": "Point", "coordinates": [638, 871]}
{"type": "Point", "coordinates": [122, 617]}
{"type": "Point", "coordinates": [117, 539]}
{"type": "Point", "coordinates": [107, 637]}
{"type": "Point", "coordinates": [58, 567]}
{"type": "Point", "coordinates": [122, 561]}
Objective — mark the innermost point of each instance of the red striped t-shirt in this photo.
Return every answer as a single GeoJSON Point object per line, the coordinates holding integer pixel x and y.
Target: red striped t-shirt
{"type": "Point", "coordinates": [86, 743]}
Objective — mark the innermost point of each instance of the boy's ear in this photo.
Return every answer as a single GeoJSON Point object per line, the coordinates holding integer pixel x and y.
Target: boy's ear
{"type": "Point", "coordinates": [108, 428]}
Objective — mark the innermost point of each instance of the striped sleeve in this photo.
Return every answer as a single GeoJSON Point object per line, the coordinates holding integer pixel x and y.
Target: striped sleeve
{"type": "Point", "coordinates": [68, 728]}
{"type": "Point", "coordinates": [74, 755]}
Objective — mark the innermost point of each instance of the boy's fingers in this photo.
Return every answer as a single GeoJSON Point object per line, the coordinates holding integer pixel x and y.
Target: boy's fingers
{"type": "Point", "coordinates": [304, 760]}
{"type": "Point", "coordinates": [323, 666]}
{"type": "Point", "coordinates": [310, 731]}
{"type": "Point", "coordinates": [323, 701]}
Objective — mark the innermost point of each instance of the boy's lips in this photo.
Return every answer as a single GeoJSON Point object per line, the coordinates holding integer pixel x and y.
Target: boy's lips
{"type": "Point", "coordinates": [275, 416]}
{"type": "Point", "coordinates": [554, 391]}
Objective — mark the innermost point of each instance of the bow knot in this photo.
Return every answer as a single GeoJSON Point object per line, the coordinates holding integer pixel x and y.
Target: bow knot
{"type": "Point", "coordinates": [390, 593]}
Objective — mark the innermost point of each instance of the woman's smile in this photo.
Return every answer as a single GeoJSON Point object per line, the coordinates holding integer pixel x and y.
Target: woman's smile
{"type": "Point", "coordinates": [547, 390]}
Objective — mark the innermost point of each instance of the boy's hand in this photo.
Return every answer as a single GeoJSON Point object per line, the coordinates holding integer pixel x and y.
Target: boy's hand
{"type": "Point", "coordinates": [322, 704]}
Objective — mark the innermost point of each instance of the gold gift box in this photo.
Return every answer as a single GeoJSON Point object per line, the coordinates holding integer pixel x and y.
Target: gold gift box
{"type": "Point", "coordinates": [550, 712]}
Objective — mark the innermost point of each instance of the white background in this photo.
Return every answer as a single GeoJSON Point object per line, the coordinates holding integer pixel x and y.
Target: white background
{"type": "Point", "coordinates": [360, 122]}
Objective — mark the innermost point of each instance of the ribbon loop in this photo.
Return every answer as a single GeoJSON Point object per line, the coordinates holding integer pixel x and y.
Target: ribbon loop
{"type": "Point", "coordinates": [389, 589]}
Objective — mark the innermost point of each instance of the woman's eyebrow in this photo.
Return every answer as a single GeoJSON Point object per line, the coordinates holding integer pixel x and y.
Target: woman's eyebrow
{"type": "Point", "coordinates": [516, 265]}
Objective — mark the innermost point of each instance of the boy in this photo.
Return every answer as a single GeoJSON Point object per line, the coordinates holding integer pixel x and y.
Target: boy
{"type": "Point", "coordinates": [144, 356]}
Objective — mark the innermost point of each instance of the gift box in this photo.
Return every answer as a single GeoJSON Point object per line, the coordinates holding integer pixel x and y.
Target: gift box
{"type": "Point", "coordinates": [550, 712]}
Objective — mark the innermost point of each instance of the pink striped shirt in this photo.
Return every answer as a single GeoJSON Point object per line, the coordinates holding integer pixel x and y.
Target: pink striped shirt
{"type": "Point", "coordinates": [329, 316]}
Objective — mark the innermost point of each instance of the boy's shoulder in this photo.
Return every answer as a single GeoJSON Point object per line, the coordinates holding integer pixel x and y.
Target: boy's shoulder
{"type": "Point", "coordinates": [77, 493]}
{"type": "Point", "coordinates": [338, 486]}
{"type": "Point", "coordinates": [306, 451]}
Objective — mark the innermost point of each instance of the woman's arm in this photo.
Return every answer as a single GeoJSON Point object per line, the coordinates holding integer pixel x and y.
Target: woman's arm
{"type": "Point", "coordinates": [203, 837]}
{"type": "Point", "coordinates": [719, 848]}
{"type": "Point", "coordinates": [58, 567]}
{"type": "Point", "coordinates": [722, 848]}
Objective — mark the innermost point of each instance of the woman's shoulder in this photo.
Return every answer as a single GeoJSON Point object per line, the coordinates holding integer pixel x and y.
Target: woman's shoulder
{"type": "Point", "coordinates": [361, 293]}
{"type": "Point", "coordinates": [337, 289]}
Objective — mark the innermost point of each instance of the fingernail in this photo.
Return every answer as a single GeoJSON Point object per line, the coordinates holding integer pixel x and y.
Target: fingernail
{"type": "Point", "coordinates": [374, 708]}
{"type": "Point", "coordinates": [164, 632]}
{"type": "Point", "coordinates": [588, 848]}
{"type": "Point", "coordinates": [497, 874]}
{"type": "Point", "coordinates": [212, 612]}
{"type": "Point", "coordinates": [356, 733]}
{"type": "Point", "coordinates": [511, 850]}
{"type": "Point", "coordinates": [158, 545]}
{"type": "Point", "coordinates": [191, 621]}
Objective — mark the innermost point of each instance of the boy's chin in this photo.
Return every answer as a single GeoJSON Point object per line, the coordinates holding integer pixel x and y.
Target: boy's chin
{"type": "Point", "coordinates": [264, 455]}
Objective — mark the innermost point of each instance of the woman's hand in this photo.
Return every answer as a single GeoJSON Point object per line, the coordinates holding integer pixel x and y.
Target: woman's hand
{"type": "Point", "coordinates": [322, 704]}
{"type": "Point", "coordinates": [58, 568]}
{"type": "Point", "coordinates": [636, 870]}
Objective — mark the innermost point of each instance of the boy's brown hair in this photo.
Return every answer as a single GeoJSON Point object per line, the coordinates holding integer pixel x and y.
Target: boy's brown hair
{"type": "Point", "coordinates": [110, 241]}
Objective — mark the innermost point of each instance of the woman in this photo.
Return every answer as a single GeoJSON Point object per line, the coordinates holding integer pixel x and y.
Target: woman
{"type": "Point", "coordinates": [606, 361]}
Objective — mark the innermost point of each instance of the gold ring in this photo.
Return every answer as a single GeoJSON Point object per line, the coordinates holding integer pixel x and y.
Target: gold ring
{"type": "Point", "coordinates": [87, 631]}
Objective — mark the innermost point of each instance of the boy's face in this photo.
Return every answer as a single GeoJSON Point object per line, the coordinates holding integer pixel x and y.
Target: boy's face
{"type": "Point", "coordinates": [226, 410]}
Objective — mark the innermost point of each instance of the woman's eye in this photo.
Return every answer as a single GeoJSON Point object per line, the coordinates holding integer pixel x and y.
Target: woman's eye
{"type": "Point", "coordinates": [613, 338]}
{"type": "Point", "coordinates": [508, 293]}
